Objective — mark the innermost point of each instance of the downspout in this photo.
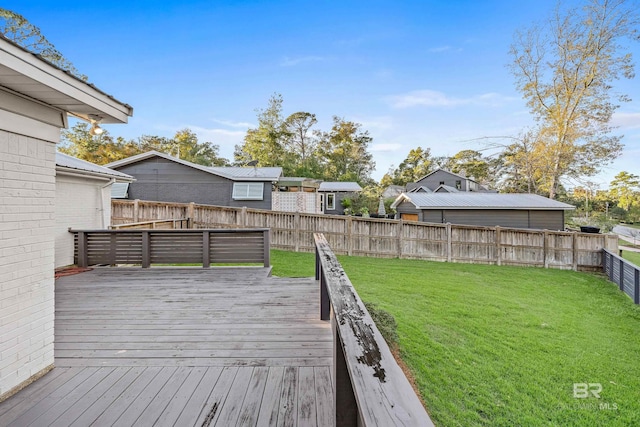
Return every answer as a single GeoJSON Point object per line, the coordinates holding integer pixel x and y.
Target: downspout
{"type": "Point", "coordinates": [111, 182]}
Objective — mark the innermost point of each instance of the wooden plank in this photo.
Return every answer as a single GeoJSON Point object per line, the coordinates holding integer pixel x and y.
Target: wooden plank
{"type": "Point", "coordinates": [229, 413]}
{"type": "Point", "coordinates": [287, 416]}
{"type": "Point", "coordinates": [307, 415]}
{"type": "Point", "coordinates": [182, 396]}
{"type": "Point", "coordinates": [18, 403]}
{"type": "Point", "coordinates": [250, 409]}
{"type": "Point", "coordinates": [324, 396]}
{"type": "Point", "coordinates": [198, 400]}
{"type": "Point", "coordinates": [217, 397]}
{"type": "Point", "coordinates": [270, 406]}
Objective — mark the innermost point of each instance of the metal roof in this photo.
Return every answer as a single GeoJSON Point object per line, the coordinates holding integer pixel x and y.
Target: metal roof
{"type": "Point", "coordinates": [232, 173]}
{"type": "Point", "coordinates": [66, 163]}
{"type": "Point", "coordinates": [30, 75]}
{"type": "Point", "coordinates": [340, 186]}
{"type": "Point", "coordinates": [447, 188]}
{"type": "Point", "coordinates": [466, 200]}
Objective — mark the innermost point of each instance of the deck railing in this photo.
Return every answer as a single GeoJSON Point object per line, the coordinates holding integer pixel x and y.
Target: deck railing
{"type": "Point", "coordinates": [147, 247]}
{"type": "Point", "coordinates": [370, 388]}
{"type": "Point", "coordinates": [623, 273]}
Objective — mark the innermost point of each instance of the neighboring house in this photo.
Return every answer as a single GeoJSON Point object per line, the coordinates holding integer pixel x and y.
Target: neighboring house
{"type": "Point", "coordinates": [505, 210]}
{"type": "Point", "coordinates": [163, 178]}
{"type": "Point", "coordinates": [83, 201]}
{"type": "Point", "coordinates": [333, 193]}
{"type": "Point", "coordinates": [441, 177]}
{"type": "Point", "coordinates": [297, 194]}
{"type": "Point", "coordinates": [35, 98]}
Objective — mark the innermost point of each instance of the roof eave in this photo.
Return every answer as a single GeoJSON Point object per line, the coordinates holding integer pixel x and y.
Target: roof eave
{"type": "Point", "coordinates": [63, 170]}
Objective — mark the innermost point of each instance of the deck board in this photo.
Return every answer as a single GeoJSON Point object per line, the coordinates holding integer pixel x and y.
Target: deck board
{"type": "Point", "coordinates": [219, 347]}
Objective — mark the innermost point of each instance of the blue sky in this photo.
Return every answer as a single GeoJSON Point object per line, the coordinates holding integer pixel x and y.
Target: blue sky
{"type": "Point", "coordinates": [413, 73]}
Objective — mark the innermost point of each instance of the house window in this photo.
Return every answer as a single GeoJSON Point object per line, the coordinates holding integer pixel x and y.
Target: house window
{"type": "Point", "coordinates": [459, 185]}
{"type": "Point", "coordinates": [331, 202]}
{"type": "Point", "coordinates": [248, 190]}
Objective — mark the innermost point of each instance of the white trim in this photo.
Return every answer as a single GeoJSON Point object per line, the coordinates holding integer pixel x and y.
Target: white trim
{"type": "Point", "coordinates": [332, 206]}
{"type": "Point", "coordinates": [29, 65]}
{"type": "Point", "coordinates": [21, 125]}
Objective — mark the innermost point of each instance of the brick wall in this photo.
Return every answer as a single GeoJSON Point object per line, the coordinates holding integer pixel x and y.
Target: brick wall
{"type": "Point", "coordinates": [27, 194]}
{"type": "Point", "coordinates": [81, 203]}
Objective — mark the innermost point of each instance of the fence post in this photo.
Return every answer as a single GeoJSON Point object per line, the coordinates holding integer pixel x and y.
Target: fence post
{"type": "Point", "coordinates": [545, 249]}
{"type": "Point", "coordinates": [349, 235]}
{"type": "Point", "coordinates": [136, 210]}
{"type": "Point", "coordinates": [206, 249]}
{"type": "Point", "coordinates": [574, 264]}
{"type": "Point", "coordinates": [191, 209]}
{"type": "Point", "coordinates": [449, 244]}
{"type": "Point", "coordinates": [83, 256]}
{"type": "Point", "coordinates": [267, 247]}
{"type": "Point", "coordinates": [621, 274]}
{"type": "Point", "coordinates": [243, 217]}
{"type": "Point", "coordinates": [498, 246]}
{"type": "Point", "coordinates": [146, 249]}
{"type": "Point", "coordinates": [296, 231]}
{"type": "Point", "coordinates": [399, 237]}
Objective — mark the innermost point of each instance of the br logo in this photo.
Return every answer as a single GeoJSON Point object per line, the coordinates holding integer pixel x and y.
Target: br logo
{"type": "Point", "coordinates": [583, 390]}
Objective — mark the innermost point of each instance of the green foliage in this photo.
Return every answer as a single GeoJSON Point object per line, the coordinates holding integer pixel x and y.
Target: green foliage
{"type": "Point", "coordinates": [565, 72]}
{"type": "Point", "coordinates": [19, 30]}
{"type": "Point", "coordinates": [417, 164]}
{"type": "Point", "coordinates": [500, 345]}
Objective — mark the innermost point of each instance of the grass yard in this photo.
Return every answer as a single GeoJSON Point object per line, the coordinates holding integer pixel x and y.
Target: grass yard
{"type": "Point", "coordinates": [634, 257]}
{"type": "Point", "coordinates": [503, 346]}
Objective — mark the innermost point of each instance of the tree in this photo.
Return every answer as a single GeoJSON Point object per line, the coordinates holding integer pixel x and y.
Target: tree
{"type": "Point", "coordinates": [344, 152]}
{"type": "Point", "coordinates": [417, 164]}
{"type": "Point", "coordinates": [185, 146]}
{"type": "Point", "coordinates": [625, 190]}
{"type": "Point", "coordinates": [471, 164]}
{"type": "Point", "coordinates": [266, 144]}
{"type": "Point", "coordinates": [301, 143]}
{"type": "Point", "coordinates": [565, 73]}
{"type": "Point", "coordinates": [17, 29]}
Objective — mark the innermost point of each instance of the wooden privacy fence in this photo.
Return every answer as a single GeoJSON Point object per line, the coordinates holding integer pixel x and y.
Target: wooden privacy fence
{"type": "Point", "coordinates": [370, 389]}
{"type": "Point", "coordinates": [623, 273]}
{"type": "Point", "coordinates": [161, 224]}
{"type": "Point", "coordinates": [387, 238]}
{"type": "Point", "coordinates": [147, 247]}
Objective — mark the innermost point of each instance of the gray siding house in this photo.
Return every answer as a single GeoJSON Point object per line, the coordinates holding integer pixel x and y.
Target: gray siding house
{"type": "Point", "coordinates": [333, 193]}
{"type": "Point", "coordinates": [504, 210]}
{"type": "Point", "coordinates": [160, 177]}
{"type": "Point", "coordinates": [442, 180]}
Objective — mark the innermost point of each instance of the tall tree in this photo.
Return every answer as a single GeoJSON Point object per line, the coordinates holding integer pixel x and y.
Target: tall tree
{"type": "Point", "coordinates": [185, 145]}
{"type": "Point", "coordinates": [417, 164]}
{"type": "Point", "coordinates": [472, 164]}
{"type": "Point", "coordinates": [16, 28]}
{"type": "Point", "coordinates": [564, 71]}
{"type": "Point", "coordinates": [266, 144]}
{"type": "Point", "coordinates": [344, 152]}
{"type": "Point", "coordinates": [625, 190]}
{"type": "Point", "coordinates": [302, 143]}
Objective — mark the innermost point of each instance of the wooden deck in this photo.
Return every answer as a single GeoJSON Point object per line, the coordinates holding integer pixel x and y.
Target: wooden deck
{"type": "Point", "coordinates": [182, 347]}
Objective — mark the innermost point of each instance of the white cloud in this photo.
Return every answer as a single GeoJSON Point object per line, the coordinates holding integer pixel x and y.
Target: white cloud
{"type": "Point", "coordinates": [290, 62]}
{"type": "Point", "coordinates": [385, 147]}
{"type": "Point", "coordinates": [231, 124]}
{"type": "Point", "coordinates": [440, 49]}
{"type": "Point", "coordinates": [432, 98]}
{"type": "Point", "coordinates": [626, 120]}
{"type": "Point", "coordinates": [379, 122]}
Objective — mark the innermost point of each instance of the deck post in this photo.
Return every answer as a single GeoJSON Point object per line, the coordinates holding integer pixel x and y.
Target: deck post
{"type": "Point", "coordinates": [346, 408]}
{"type": "Point", "coordinates": [325, 303]}
{"type": "Point", "coordinates": [206, 249]}
{"type": "Point", "coordinates": [267, 246]}
{"type": "Point", "coordinates": [609, 257]}
{"type": "Point", "coordinates": [146, 249]}
{"type": "Point", "coordinates": [82, 249]}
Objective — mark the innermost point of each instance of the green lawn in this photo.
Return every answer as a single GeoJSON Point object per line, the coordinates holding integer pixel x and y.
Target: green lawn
{"type": "Point", "coordinates": [503, 346]}
{"type": "Point", "coordinates": [634, 257]}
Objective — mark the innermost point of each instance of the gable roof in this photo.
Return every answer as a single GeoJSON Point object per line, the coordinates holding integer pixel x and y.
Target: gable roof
{"type": "Point", "coordinates": [420, 189]}
{"type": "Point", "coordinates": [446, 171]}
{"type": "Point", "coordinates": [232, 173]}
{"type": "Point", "coordinates": [28, 74]}
{"type": "Point", "coordinates": [69, 164]}
{"type": "Point", "coordinates": [464, 200]}
{"type": "Point", "coordinates": [446, 189]}
{"type": "Point", "coordinates": [340, 186]}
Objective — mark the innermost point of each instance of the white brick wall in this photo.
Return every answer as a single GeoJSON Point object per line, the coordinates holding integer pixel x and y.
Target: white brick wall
{"type": "Point", "coordinates": [81, 203]}
{"type": "Point", "coordinates": [27, 194]}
